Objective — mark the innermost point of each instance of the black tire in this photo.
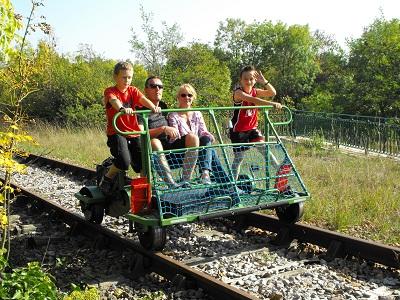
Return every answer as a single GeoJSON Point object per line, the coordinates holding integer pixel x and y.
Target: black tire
{"type": "Point", "coordinates": [153, 239]}
{"type": "Point", "coordinates": [291, 213]}
{"type": "Point", "coordinates": [93, 213]}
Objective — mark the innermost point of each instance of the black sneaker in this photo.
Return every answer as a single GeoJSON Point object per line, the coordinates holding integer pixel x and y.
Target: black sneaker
{"type": "Point", "coordinates": [106, 185]}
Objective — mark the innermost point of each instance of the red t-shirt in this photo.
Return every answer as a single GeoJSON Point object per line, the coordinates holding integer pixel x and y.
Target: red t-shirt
{"type": "Point", "coordinates": [129, 98]}
{"type": "Point", "coordinates": [245, 119]}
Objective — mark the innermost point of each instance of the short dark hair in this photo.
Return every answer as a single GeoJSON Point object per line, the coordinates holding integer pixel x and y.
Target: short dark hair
{"type": "Point", "coordinates": [146, 83]}
{"type": "Point", "coordinates": [122, 65]}
{"type": "Point", "coordinates": [247, 69]}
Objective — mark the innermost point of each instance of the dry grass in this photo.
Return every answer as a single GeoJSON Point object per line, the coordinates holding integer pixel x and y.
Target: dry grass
{"type": "Point", "coordinates": [86, 147]}
{"type": "Point", "coordinates": [351, 193]}
{"type": "Point", "coordinates": [355, 194]}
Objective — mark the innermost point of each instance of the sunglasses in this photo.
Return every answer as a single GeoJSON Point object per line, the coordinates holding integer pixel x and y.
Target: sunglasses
{"type": "Point", "coordinates": [186, 95]}
{"type": "Point", "coordinates": [153, 86]}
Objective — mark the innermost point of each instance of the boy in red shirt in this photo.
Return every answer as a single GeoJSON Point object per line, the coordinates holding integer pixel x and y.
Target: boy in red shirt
{"type": "Point", "coordinates": [122, 98]}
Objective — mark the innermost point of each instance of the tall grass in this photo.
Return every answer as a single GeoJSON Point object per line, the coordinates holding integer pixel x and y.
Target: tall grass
{"type": "Point", "coordinates": [84, 146]}
{"type": "Point", "coordinates": [351, 193]}
{"type": "Point", "coordinates": [355, 194]}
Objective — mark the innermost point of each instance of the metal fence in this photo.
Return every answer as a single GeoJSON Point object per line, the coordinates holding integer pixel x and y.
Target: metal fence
{"type": "Point", "coordinates": [381, 135]}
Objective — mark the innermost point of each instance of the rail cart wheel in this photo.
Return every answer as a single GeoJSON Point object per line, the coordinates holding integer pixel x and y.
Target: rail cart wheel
{"type": "Point", "coordinates": [93, 213]}
{"type": "Point", "coordinates": [153, 239]}
{"type": "Point", "coordinates": [240, 223]}
{"type": "Point", "coordinates": [291, 213]}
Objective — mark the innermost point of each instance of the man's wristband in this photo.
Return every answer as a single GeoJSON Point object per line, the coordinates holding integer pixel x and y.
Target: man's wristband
{"type": "Point", "coordinates": [121, 108]}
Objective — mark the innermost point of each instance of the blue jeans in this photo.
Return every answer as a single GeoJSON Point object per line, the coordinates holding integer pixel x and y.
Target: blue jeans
{"type": "Point", "coordinates": [207, 160]}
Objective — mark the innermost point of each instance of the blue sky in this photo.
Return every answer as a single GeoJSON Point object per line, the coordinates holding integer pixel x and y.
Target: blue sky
{"type": "Point", "coordinates": [106, 25]}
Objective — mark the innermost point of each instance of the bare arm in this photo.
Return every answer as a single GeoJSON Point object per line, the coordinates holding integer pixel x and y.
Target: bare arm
{"type": "Point", "coordinates": [155, 132]}
{"type": "Point", "coordinates": [269, 90]}
{"type": "Point", "coordinates": [203, 128]}
{"type": "Point", "coordinates": [240, 96]}
{"type": "Point", "coordinates": [147, 103]}
{"type": "Point", "coordinates": [169, 131]}
{"type": "Point", "coordinates": [115, 103]}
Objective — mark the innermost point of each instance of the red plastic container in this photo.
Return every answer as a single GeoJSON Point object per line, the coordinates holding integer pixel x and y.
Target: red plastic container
{"type": "Point", "coordinates": [281, 183]}
{"type": "Point", "coordinates": [140, 195]}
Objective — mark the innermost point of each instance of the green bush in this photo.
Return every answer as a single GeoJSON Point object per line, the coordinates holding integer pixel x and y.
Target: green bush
{"type": "Point", "coordinates": [29, 282]}
{"type": "Point", "coordinates": [89, 293]}
{"type": "Point", "coordinates": [92, 116]}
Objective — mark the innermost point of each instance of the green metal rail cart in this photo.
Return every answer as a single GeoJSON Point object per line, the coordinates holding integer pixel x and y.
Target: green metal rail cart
{"type": "Point", "coordinates": [268, 180]}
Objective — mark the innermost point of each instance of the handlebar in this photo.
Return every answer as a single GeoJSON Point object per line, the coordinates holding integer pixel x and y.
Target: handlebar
{"type": "Point", "coordinates": [267, 107]}
{"type": "Point", "coordinates": [289, 112]}
{"type": "Point", "coordinates": [114, 122]}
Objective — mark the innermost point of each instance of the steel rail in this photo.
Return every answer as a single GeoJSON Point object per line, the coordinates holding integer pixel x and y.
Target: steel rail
{"type": "Point", "coordinates": [338, 245]}
{"type": "Point", "coordinates": [152, 261]}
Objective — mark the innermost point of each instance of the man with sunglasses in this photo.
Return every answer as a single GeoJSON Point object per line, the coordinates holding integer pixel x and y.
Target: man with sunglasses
{"type": "Point", "coordinates": [161, 133]}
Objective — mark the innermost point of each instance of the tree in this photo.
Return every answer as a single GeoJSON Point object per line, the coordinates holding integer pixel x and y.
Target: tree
{"type": "Point", "coordinates": [198, 66]}
{"type": "Point", "coordinates": [154, 50]}
{"type": "Point", "coordinates": [18, 84]}
{"type": "Point", "coordinates": [333, 81]}
{"type": "Point", "coordinates": [9, 24]}
{"type": "Point", "coordinates": [375, 63]}
{"type": "Point", "coordinates": [229, 45]}
{"type": "Point", "coordinates": [139, 76]}
{"type": "Point", "coordinates": [286, 55]}
{"type": "Point", "coordinates": [70, 87]}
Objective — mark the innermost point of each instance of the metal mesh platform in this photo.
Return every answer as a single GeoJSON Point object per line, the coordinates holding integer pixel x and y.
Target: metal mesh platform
{"type": "Point", "coordinates": [266, 175]}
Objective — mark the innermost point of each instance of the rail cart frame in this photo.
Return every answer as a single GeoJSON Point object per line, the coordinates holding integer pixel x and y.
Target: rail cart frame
{"type": "Point", "coordinates": [152, 205]}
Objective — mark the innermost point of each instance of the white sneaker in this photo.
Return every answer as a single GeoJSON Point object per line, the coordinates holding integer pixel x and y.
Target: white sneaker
{"type": "Point", "coordinates": [205, 179]}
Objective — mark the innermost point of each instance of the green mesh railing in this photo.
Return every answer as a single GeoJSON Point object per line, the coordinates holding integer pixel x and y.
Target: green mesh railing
{"type": "Point", "coordinates": [259, 178]}
{"type": "Point", "coordinates": [381, 135]}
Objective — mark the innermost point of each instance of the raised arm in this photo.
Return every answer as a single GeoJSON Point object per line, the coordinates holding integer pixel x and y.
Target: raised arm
{"type": "Point", "coordinates": [269, 90]}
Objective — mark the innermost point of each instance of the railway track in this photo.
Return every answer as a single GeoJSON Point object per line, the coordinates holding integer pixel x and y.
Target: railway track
{"type": "Point", "coordinates": [149, 262]}
{"type": "Point", "coordinates": [337, 245]}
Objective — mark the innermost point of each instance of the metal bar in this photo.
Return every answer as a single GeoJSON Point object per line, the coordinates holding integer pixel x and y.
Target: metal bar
{"type": "Point", "coordinates": [160, 263]}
